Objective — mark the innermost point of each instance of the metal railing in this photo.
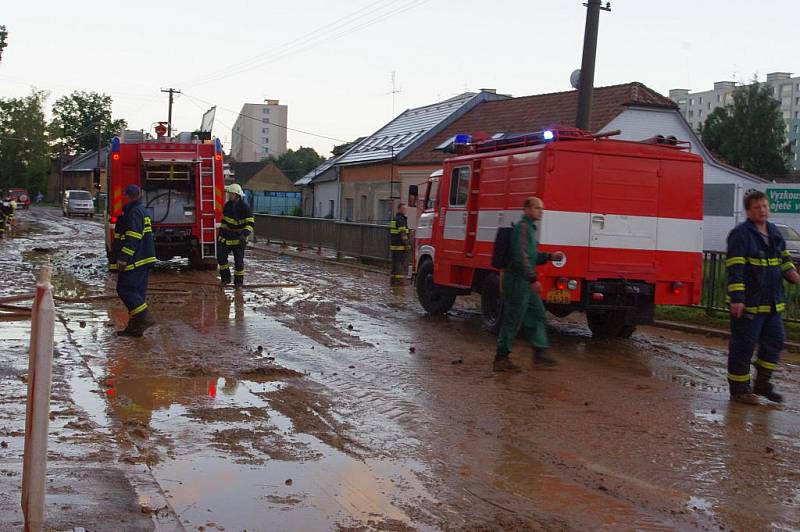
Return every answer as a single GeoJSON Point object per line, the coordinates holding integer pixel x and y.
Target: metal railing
{"type": "Point", "coordinates": [715, 288]}
{"type": "Point", "coordinates": [363, 241]}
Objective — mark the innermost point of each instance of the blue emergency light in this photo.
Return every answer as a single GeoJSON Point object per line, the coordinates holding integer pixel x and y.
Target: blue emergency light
{"type": "Point", "coordinates": [115, 144]}
{"type": "Point", "coordinates": [462, 138]}
{"type": "Point", "coordinates": [217, 145]}
{"type": "Point", "coordinates": [548, 135]}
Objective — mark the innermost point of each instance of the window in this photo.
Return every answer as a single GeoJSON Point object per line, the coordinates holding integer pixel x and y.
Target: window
{"type": "Point", "coordinates": [700, 101]}
{"type": "Point", "coordinates": [700, 113]}
{"type": "Point", "coordinates": [362, 208]}
{"type": "Point", "coordinates": [265, 120]}
{"type": "Point", "coordinates": [709, 106]}
{"type": "Point", "coordinates": [348, 209]}
{"type": "Point", "coordinates": [265, 130]}
{"type": "Point", "coordinates": [330, 208]}
{"type": "Point", "coordinates": [691, 113]}
{"type": "Point", "coordinates": [264, 140]}
{"type": "Point", "coordinates": [459, 186]}
{"type": "Point", "coordinates": [265, 110]}
{"type": "Point", "coordinates": [719, 98]}
{"type": "Point", "coordinates": [691, 101]}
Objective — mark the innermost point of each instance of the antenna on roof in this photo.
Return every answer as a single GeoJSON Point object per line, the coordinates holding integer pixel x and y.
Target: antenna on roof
{"type": "Point", "coordinates": [395, 91]}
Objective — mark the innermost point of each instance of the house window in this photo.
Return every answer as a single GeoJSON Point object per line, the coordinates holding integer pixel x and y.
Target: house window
{"type": "Point", "coordinates": [265, 110]}
{"type": "Point", "coordinates": [362, 208]}
{"type": "Point", "coordinates": [459, 186]}
{"type": "Point", "coordinates": [264, 140]}
{"type": "Point", "coordinates": [330, 208]}
{"type": "Point", "coordinates": [691, 101]}
{"type": "Point", "coordinates": [719, 98]}
{"type": "Point", "coordinates": [700, 101]}
{"type": "Point", "coordinates": [348, 209]}
{"type": "Point", "coordinates": [265, 130]}
{"type": "Point", "coordinates": [691, 113]}
{"type": "Point", "coordinates": [700, 113]}
{"type": "Point", "coordinates": [265, 120]}
{"type": "Point", "coordinates": [709, 106]}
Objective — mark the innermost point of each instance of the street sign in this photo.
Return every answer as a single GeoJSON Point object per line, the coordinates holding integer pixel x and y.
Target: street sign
{"type": "Point", "coordinates": [784, 200]}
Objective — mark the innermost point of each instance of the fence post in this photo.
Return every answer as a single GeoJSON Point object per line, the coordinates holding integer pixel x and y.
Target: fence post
{"type": "Point", "coordinates": [37, 417]}
{"type": "Point", "coordinates": [712, 280]}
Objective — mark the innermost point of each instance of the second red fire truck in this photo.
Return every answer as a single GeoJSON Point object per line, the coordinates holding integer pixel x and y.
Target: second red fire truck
{"type": "Point", "coordinates": [628, 216]}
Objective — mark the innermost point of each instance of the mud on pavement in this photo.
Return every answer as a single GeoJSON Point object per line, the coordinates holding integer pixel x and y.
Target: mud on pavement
{"type": "Point", "coordinates": [336, 404]}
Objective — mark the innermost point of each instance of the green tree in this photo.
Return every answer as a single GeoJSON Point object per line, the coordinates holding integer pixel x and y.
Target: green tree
{"type": "Point", "coordinates": [297, 163]}
{"type": "Point", "coordinates": [750, 133]}
{"type": "Point", "coordinates": [3, 37]}
{"type": "Point", "coordinates": [24, 150]}
{"type": "Point", "coordinates": [77, 118]}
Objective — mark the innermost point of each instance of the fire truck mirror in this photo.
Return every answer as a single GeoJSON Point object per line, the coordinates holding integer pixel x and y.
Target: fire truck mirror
{"type": "Point", "coordinates": [413, 190]}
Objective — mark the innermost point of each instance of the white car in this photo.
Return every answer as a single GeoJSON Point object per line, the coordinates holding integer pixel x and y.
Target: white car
{"type": "Point", "coordinates": [77, 202]}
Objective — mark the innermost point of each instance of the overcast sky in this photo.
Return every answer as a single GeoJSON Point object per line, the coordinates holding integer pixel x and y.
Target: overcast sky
{"type": "Point", "coordinates": [331, 62]}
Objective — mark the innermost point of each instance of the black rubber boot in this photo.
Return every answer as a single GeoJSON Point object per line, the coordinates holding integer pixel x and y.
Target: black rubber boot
{"type": "Point", "coordinates": [238, 281]}
{"type": "Point", "coordinates": [132, 329]}
{"type": "Point", "coordinates": [741, 393]}
{"type": "Point", "coordinates": [541, 358]}
{"type": "Point", "coordinates": [764, 388]}
{"type": "Point", "coordinates": [145, 322]}
{"type": "Point", "coordinates": [225, 277]}
{"type": "Point", "coordinates": [503, 363]}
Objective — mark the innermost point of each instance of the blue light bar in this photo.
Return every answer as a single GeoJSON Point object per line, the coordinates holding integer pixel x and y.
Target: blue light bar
{"type": "Point", "coordinates": [548, 135]}
{"type": "Point", "coordinates": [115, 144]}
{"type": "Point", "coordinates": [217, 145]}
{"type": "Point", "coordinates": [462, 138]}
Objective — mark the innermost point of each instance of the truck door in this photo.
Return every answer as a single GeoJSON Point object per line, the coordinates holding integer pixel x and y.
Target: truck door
{"type": "Point", "coordinates": [455, 217]}
{"type": "Point", "coordinates": [623, 216]}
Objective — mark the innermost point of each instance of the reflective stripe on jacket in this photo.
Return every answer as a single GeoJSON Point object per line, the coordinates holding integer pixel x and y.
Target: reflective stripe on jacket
{"type": "Point", "coordinates": [133, 239]}
{"type": "Point", "coordinates": [237, 222]}
{"type": "Point", "coordinates": [756, 268]}
{"type": "Point", "coordinates": [398, 233]}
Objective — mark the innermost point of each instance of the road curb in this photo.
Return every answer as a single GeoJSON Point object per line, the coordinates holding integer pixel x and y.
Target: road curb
{"type": "Point", "coordinates": [708, 331]}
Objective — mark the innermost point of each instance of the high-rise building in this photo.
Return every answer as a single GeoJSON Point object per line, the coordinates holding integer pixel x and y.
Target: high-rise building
{"type": "Point", "coordinates": [259, 131]}
{"type": "Point", "coordinates": [696, 106]}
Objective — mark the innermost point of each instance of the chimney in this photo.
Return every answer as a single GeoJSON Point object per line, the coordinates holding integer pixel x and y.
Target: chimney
{"type": "Point", "coordinates": [490, 91]}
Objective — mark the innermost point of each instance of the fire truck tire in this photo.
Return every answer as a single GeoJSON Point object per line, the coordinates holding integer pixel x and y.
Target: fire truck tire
{"type": "Point", "coordinates": [432, 298]}
{"type": "Point", "coordinates": [491, 303]}
{"type": "Point", "coordinates": [626, 331]}
{"type": "Point", "coordinates": [607, 323]}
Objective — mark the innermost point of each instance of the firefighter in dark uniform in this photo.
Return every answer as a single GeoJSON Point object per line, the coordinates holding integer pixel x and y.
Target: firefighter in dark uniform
{"type": "Point", "coordinates": [399, 245]}
{"type": "Point", "coordinates": [234, 232]}
{"type": "Point", "coordinates": [522, 302]}
{"type": "Point", "coordinates": [6, 213]}
{"type": "Point", "coordinates": [757, 264]}
{"type": "Point", "coordinates": [132, 255]}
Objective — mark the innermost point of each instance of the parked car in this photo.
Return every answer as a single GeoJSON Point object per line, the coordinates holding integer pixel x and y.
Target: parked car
{"type": "Point", "coordinates": [21, 196]}
{"type": "Point", "coordinates": [792, 238]}
{"type": "Point", "coordinates": [77, 202]}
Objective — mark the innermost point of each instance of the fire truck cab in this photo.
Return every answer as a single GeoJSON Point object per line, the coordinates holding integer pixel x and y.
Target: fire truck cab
{"type": "Point", "coordinates": [627, 215]}
{"type": "Point", "coordinates": [183, 192]}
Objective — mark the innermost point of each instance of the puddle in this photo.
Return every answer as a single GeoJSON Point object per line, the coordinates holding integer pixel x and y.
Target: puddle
{"type": "Point", "coordinates": [84, 393]}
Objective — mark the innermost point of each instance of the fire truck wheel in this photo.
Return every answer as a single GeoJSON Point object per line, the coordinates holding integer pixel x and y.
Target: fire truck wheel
{"type": "Point", "coordinates": [606, 323]}
{"type": "Point", "coordinates": [626, 331]}
{"type": "Point", "coordinates": [432, 298]}
{"type": "Point", "coordinates": [491, 303]}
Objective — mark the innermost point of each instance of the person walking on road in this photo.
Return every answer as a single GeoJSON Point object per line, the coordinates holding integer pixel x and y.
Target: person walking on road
{"type": "Point", "coordinates": [133, 253]}
{"type": "Point", "coordinates": [235, 230]}
{"type": "Point", "coordinates": [399, 246]}
{"type": "Point", "coordinates": [757, 264]}
{"type": "Point", "coordinates": [522, 302]}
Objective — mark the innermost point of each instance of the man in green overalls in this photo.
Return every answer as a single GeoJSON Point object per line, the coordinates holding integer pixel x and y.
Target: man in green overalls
{"type": "Point", "coordinates": [522, 302]}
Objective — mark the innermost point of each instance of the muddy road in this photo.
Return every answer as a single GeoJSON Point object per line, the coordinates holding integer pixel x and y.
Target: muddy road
{"type": "Point", "coordinates": [337, 404]}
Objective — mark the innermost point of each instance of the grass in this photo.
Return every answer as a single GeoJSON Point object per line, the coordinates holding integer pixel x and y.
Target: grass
{"type": "Point", "coordinates": [715, 320]}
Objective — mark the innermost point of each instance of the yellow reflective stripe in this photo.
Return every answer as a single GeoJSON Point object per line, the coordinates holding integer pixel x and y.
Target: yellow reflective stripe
{"type": "Point", "coordinates": [138, 310]}
{"type": "Point", "coordinates": [786, 266]}
{"type": "Point", "coordinates": [739, 378]}
{"type": "Point", "coordinates": [786, 253]}
{"type": "Point", "coordinates": [734, 260]}
{"type": "Point", "coordinates": [128, 251]}
{"type": "Point", "coordinates": [134, 234]}
{"type": "Point", "coordinates": [238, 273]}
{"type": "Point", "coordinates": [229, 220]}
{"type": "Point", "coordinates": [736, 287]}
{"type": "Point", "coordinates": [112, 266]}
{"type": "Point", "coordinates": [763, 262]}
{"type": "Point", "coordinates": [148, 260]}
{"type": "Point", "coordinates": [780, 307]}
{"type": "Point", "coordinates": [225, 267]}
{"type": "Point", "coordinates": [147, 229]}
{"type": "Point", "coordinates": [765, 309]}
{"type": "Point", "coordinates": [397, 248]}
{"type": "Point", "coordinates": [248, 228]}
{"type": "Point", "coordinates": [766, 365]}
{"type": "Point", "coordinates": [250, 219]}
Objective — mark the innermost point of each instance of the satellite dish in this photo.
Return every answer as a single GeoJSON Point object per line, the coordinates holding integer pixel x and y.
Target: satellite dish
{"type": "Point", "coordinates": [575, 79]}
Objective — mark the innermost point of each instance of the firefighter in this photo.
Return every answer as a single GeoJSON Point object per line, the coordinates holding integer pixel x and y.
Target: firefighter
{"type": "Point", "coordinates": [235, 230]}
{"type": "Point", "coordinates": [132, 255]}
{"type": "Point", "coordinates": [399, 246]}
{"type": "Point", "coordinates": [5, 215]}
{"type": "Point", "coordinates": [757, 263]}
{"type": "Point", "coordinates": [522, 302]}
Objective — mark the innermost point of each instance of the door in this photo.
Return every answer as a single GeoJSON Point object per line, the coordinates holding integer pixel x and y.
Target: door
{"type": "Point", "coordinates": [455, 219]}
{"type": "Point", "coordinates": [624, 216]}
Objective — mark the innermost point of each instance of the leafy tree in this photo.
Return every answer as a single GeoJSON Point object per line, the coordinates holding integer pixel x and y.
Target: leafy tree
{"type": "Point", "coordinates": [749, 134]}
{"type": "Point", "coordinates": [24, 150]}
{"type": "Point", "coordinates": [297, 163]}
{"type": "Point", "coordinates": [341, 148]}
{"type": "Point", "coordinates": [78, 116]}
{"type": "Point", "coordinates": [3, 37]}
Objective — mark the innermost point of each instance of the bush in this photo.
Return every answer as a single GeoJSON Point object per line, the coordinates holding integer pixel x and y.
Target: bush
{"type": "Point", "coordinates": [297, 210]}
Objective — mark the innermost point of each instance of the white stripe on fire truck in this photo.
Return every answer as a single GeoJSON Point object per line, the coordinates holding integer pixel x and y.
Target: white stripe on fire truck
{"type": "Point", "coordinates": [564, 228]}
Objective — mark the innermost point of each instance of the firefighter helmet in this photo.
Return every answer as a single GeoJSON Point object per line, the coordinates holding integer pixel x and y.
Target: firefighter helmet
{"type": "Point", "coordinates": [235, 189]}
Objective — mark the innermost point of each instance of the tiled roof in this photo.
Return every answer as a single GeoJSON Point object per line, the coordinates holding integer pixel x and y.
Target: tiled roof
{"type": "Point", "coordinates": [87, 162]}
{"type": "Point", "coordinates": [541, 111]}
{"type": "Point", "coordinates": [402, 134]}
{"type": "Point", "coordinates": [317, 172]}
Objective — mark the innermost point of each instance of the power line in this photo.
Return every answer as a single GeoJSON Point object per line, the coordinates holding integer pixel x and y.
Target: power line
{"type": "Point", "coordinates": [283, 126]}
{"type": "Point", "coordinates": [311, 42]}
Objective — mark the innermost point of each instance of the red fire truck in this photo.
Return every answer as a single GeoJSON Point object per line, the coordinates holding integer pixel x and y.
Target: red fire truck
{"type": "Point", "coordinates": [628, 216]}
{"type": "Point", "coordinates": [183, 192]}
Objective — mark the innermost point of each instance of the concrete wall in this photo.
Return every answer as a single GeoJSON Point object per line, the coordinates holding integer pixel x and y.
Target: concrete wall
{"type": "Point", "coordinates": [324, 194]}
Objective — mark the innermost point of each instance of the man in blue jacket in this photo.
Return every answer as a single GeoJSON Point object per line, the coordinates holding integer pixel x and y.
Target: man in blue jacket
{"type": "Point", "coordinates": [132, 255]}
{"type": "Point", "coordinates": [757, 265]}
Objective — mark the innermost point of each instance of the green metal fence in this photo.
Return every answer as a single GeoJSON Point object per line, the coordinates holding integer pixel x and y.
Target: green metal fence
{"type": "Point", "coordinates": [715, 288]}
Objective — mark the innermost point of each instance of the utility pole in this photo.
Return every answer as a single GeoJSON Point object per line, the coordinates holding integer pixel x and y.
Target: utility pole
{"type": "Point", "coordinates": [171, 92]}
{"type": "Point", "coordinates": [593, 8]}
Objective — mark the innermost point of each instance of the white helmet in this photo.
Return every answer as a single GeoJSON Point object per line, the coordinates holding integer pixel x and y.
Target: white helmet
{"type": "Point", "coordinates": [235, 189]}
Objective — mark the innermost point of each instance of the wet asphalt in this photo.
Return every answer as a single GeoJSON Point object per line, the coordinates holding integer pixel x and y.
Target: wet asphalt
{"type": "Point", "coordinates": [337, 404]}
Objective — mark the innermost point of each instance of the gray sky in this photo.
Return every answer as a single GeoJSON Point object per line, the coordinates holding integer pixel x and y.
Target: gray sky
{"type": "Point", "coordinates": [331, 62]}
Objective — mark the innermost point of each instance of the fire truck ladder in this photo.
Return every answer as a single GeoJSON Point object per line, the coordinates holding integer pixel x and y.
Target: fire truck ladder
{"type": "Point", "coordinates": [473, 209]}
{"type": "Point", "coordinates": [208, 206]}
